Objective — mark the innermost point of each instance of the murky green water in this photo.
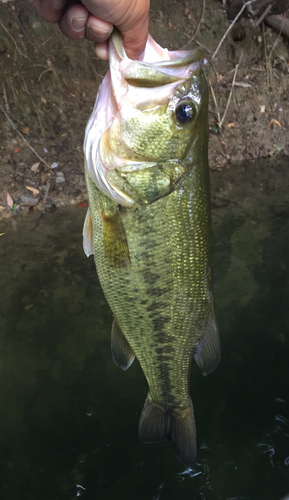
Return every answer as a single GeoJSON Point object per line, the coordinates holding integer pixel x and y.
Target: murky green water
{"type": "Point", "coordinates": [69, 416]}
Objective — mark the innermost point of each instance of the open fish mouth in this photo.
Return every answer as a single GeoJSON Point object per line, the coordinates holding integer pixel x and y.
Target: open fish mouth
{"type": "Point", "coordinates": [158, 67]}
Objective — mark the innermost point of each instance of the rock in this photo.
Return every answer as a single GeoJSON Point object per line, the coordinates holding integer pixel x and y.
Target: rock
{"type": "Point", "coordinates": [59, 179]}
{"type": "Point", "coordinates": [27, 200]}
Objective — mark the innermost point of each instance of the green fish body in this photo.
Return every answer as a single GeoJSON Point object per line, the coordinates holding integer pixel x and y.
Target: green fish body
{"type": "Point", "coordinates": [149, 228]}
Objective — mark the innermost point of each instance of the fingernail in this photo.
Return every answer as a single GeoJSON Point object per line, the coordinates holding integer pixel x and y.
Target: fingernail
{"type": "Point", "coordinates": [78, 23]}
{"type": "Point", "coordinates": [99, 33]}
{"type": "Point", "coordinates": [58, 4]}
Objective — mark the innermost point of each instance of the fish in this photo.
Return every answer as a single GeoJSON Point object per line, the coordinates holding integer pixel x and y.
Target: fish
{"type": "Point", "coordinates": [149, 228]}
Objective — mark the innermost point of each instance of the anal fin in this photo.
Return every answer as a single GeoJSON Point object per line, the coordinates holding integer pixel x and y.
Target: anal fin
{"type": "Point", "coordinates": [122, 353]}
{"type": "Point", "coordinates": [208, 354]}
{"type": "Point", "coordinates": [178, 426]}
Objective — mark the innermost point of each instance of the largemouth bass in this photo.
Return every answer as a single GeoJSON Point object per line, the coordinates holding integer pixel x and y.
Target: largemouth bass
{"type": "Point", "coordinates": [149, 228]}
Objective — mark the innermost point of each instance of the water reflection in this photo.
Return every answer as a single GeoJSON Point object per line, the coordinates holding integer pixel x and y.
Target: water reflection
{"type": "Point", "coordinates": [69, 416]}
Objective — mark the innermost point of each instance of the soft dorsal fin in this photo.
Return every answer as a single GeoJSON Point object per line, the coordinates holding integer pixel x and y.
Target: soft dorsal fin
{"type": "Point", "coordinates": [88, 235]}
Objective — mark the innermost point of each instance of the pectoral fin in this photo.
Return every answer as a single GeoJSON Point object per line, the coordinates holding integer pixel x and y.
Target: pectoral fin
{"type": "Point", "coordinates": [114, 240]}
{"type": "Point", "coordinates": [208, 354]}
{"type": "Point", "coordinates": [122, 353]}
{"type": "Point", "coordinates": [88, 235]}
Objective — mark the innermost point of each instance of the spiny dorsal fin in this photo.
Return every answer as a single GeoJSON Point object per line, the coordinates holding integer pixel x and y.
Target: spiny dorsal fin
{"type": "Point", "coordinates": [114, 240]}
{"type": "Point", "coordinates": [88, 235]}
{"type": "Point", "coordinates": [122, 353]}
{"type": "Point", "coordinates": [208, 354]}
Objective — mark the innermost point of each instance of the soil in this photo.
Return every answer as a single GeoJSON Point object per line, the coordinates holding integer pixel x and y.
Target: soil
{"type": "Point", "coordinates": [49, 84]}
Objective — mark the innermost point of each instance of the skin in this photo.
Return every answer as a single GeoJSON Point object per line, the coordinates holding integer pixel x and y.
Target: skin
{"type": "Point", "coordinates": [95, 19]}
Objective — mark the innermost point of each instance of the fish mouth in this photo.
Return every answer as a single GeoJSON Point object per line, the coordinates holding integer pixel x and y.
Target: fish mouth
{"type": "Point", "coordinates": [169, 59]}
{"type": "Point", "coordinates": [176, 59]}
{"type": "Point", "coordinates": [168, 69]}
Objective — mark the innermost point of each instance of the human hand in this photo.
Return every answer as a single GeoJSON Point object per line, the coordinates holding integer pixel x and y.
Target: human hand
{"type": "Point", "coordinates": [94, 20]}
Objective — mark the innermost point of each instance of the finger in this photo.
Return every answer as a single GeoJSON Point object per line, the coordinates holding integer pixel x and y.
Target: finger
{"type": "Point", "coordinates": [101, 50]}
{"type": "Point", "coordinates": [98, 30]}
{"type": "Point", "coordinates": [134, 41]}
{"type": "Point", "coordinates": [134, 29]}
{"type": "Point", "coordinates": [73, 22]}
{"type": "Point", "coordinates": [50, 10]}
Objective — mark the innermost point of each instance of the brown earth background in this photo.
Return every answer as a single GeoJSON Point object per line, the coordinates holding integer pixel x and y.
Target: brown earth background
{"type": "Point", "coordinates": [49, 84]}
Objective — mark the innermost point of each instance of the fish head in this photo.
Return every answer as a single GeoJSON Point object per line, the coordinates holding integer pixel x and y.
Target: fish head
{"type": "Point", "coordinates": [147, 112]}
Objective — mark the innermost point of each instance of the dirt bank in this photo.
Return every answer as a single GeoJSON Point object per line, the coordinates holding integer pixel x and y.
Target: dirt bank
{"type": "Point", "coordinates": [48, 87]}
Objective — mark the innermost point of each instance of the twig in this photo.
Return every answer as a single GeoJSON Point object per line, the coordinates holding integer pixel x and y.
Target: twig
{"type": "Point", "coordinates": [265, 13]}
{"type": "Point", "coordinates": [13, 40]}
{"type": "Point", "coordinates": [278, 23]}
{"type": "Point", "coordinates": [216, 104]}
{"type": "Point", "coordinates": [231, 92]}
{"type": "Point", "coordinates": [231, 26]}
{"type": "Point", "coordinates": [277, 39]}
{"type": "Point", "coordinates": [203, 46]}
{"type": "Point", "coordinates": [34, 106]}
{"type": "Point", "coordinates": [45, 196]}
{"type": "Point", "coordinates": [5, 98]}
{"type": "Point", "coordinates": [198, 27]}
{"type": "Point", "coordinates": [97, 74]}
{"type": "Point", "coordinates": [12, 124]}
{"type": "Point", "coordinates": [266, 57]}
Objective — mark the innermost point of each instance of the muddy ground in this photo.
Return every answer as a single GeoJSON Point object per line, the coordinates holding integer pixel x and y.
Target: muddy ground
{"type": "Point", "coordinates": [49, 84]}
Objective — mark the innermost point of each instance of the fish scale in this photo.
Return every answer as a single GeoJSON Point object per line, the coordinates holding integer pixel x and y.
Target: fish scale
{"type": "Point", "coordinates": [153, 254]}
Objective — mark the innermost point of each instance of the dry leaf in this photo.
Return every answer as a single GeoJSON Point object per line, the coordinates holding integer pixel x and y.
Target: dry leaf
{"type": "Point", "coordinates": [219, 77]}
{"type": "Point", "coordinates": [35, 166]}
{"type": "Point", "coordinates": [25, 130]}
{"type": "Point", "coordinates": [243, 84]}
{"type": "Point", "coordinates": [170, 25]}
{"type": "Point", "coordinates": [72, 95]}
{"type": "Point", "coordinates": [34, 190]}
{"type": "Point", "coordinates": [43, 100]}
{"type": "Point", "coordinates": [1, 208]}
{"type": "Point", "coordinates": [230, 125]}
{"type": "Point", "coordinates": [271, 123]}
{"type": "Point", "coordinates": [10, 201]}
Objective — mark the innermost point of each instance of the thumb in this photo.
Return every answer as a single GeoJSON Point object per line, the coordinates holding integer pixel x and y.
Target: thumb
{"type": "Point", "coordinates": [135, 37]}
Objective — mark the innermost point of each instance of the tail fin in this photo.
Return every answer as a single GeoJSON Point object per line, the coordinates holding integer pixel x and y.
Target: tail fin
{"type": "Point", "coordinates": [157, 424]}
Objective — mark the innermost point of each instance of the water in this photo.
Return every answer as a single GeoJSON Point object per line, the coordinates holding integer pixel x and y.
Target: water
{"type": "Point", "coordinates": [69, 416]}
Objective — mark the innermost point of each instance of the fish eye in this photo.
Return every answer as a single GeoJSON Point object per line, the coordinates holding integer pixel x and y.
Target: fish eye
{"type": "Point", "coordinates": [185, 111]}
